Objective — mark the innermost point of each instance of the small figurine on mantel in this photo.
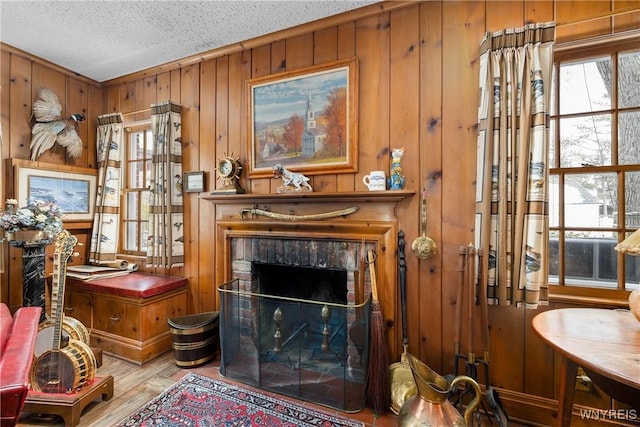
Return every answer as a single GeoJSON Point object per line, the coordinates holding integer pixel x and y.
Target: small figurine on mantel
{"type": "Point", "coordinates": [396, 179]}
{"type": "Point", "coordinates": [291, 181]}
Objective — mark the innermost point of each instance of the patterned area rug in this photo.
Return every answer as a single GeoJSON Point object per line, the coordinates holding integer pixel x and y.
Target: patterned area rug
{"type": "Point", "coordinates": [196, 400]}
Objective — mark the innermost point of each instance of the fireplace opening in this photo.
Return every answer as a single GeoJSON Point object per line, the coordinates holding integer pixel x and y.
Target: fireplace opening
{"type": "Point", "coordinates": [307, 283]}
{"type": "Point", "coordinates": [284, 326]}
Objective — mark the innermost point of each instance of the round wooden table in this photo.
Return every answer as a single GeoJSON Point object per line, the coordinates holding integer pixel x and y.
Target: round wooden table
{"type": "Point", "coordinates": [605, 343]}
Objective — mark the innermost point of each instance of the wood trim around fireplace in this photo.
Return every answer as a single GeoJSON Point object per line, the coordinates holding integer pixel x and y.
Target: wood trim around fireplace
{"type": "Point", "coordinates": [374, 221]}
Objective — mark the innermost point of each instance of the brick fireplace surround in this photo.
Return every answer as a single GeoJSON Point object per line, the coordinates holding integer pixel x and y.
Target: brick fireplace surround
{"type": "Point", "coordinates": [373, 222]}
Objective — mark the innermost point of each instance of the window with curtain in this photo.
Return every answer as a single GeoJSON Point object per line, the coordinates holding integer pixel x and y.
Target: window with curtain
{"type": "Point", "coordinates": [135, 194]}
{"type": "Point", "coordinates": [594, 175]}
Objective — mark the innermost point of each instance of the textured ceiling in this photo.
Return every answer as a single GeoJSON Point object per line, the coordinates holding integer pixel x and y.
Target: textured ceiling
{"type": "Point", "coordinates": [108, 39]}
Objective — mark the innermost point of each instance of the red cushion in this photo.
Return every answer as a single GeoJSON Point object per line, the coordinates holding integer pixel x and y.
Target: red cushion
{"type": "Point", "coordinates": [15, 363]}
{"type": "Point", "coordinates": [5, 325]}
{"type": "Point", "coordinates": [140, 285]}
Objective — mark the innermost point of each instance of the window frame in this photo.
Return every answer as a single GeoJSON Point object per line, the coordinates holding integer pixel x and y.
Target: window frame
{"type": "Point", "coordinates": [143, 127]}
{"type": "Point", "coordinates": [610, 47]}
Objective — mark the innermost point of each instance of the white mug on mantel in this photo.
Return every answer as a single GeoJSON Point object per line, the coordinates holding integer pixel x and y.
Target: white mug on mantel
{"type": "Point", "coordinates": [375, 181]}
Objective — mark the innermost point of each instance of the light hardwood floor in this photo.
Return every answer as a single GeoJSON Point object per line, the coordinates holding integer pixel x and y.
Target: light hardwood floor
{"type": "Point", "coordinates": [135, 385]}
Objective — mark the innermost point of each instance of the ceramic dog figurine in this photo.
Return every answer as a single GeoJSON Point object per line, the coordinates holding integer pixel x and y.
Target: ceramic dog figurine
{"type": "Point", "coordinates": [291, 181]}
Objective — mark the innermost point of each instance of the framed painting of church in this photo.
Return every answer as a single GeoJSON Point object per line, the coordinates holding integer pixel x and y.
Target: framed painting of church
{"type": "Point", "coordinates": [304, 120]}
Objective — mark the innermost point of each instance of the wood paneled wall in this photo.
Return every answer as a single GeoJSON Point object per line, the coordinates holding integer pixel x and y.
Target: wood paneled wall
{"type": "Point", "coordinates": [418, 89]}
{"type": "Point", "coordinates": [21, 78]}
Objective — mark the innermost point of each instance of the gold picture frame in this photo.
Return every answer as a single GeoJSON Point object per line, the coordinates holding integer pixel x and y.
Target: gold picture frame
{"type": "Point", "coordinates": [72, 188]}
{"type": "Point", "coordinates": [305, 120]}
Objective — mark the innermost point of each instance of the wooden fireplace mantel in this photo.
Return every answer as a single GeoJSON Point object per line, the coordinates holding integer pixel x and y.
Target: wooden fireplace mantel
{"type": "Point", "coordinates": [374, 221]}
{"type": "Point", "coordinates": [392, 196]}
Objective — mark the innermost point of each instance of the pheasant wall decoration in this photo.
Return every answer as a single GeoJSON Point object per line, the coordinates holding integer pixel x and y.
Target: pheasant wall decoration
{"type": "Point", "coordinates": [50, 127]}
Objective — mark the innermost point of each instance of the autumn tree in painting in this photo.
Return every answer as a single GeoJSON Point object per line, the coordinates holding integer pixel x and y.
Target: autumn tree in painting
{"type": "Point", "coordinates": [335, 119]}
{"type": "Point", "coordinates": [292, 136]}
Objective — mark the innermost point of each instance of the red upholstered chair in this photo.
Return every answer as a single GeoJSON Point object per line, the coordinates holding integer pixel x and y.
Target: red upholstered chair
{"type": "Point", "coordinates": [17, 342]}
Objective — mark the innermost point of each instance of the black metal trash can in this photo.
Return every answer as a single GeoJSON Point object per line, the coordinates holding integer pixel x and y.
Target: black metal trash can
{"type": "Point", "coordinates": [194, 338]}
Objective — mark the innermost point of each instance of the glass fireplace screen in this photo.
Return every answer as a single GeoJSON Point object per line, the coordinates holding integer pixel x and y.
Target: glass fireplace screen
{"type": "Point", "coordinates": [312, 350]}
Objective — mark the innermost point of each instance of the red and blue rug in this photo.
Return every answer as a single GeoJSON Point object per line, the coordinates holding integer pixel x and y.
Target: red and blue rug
{"type": "Point", "coordinates": [197, 401]}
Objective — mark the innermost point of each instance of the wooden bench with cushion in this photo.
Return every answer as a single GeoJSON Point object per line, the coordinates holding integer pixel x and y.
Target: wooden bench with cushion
{"type": "Point", "coordinates": [127, 315]}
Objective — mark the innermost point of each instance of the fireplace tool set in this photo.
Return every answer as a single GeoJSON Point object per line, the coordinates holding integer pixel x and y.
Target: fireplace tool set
{"type": "Point", "coordinates": [403, 385]}
{"type": "Point", "coordinates": [468, 256]}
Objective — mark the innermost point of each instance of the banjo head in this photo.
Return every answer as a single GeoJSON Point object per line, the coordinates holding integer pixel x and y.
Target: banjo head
{"type": "Point", "coordinates": [65, 370]}
{"type": "Point", "coordinates": [71, 329]}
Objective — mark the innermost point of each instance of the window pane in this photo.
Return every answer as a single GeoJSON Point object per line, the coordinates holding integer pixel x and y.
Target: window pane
{"type": "Point", "coordinates": [147, 166]}
{"type": "Point", "coordinates": [144, 236]}
{"type": "Point", "coordinates": [131, 211]}
{"type": "Point", "coordinates": [585, 141]}
{"type": "Point", "coordinates": [588, 260]}
{"type": "Point", "coordinates": [632, 199]}
{"type": "Point", "coordinates": [552, 143]}
{"type": "Point", "coordinates": [149, 152]}
{"type": "Point", "coordinates": [590, 200]}
{"type": "Point", "coordinates": [585, 86]}
{"type": "Point", "coordinates": [136, 174]}
{"type": "Point", "coordinates": [136, 146]}
{"type": "Point", "coordinates": [629, 135]}
{"type": "Point", "coordinates": [554, 92]}
{"type": "Point", "coordinates": [554, 260]}
{"type": "Point", "coordinates": [554, 201]}
{"type": "Point", "coordinates": [144, 207]}
{"type": "Point", "coordinates": [131, 175]}
{"type": "Point", "coordinates": [131, 234]}
{"type": "Point", "coordinates": [632, 271]}
{"type": "Point", "coordinates": [629, 76]}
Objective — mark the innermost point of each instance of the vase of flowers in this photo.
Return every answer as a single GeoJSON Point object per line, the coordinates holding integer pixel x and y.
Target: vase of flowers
{"type": "Point", "coordinates": [38, 220]}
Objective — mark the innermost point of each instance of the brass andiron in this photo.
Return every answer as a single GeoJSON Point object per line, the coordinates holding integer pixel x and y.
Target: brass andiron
{"type": "Point", "coordinates": [277, 336]}
{"type": "Point", "coordinates": [325, 313]}
{"type": "Point", "coordinates": [430, 406]}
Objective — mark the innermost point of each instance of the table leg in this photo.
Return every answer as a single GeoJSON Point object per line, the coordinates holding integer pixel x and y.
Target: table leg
{"type": "Point", "coordinates": [568, 372]}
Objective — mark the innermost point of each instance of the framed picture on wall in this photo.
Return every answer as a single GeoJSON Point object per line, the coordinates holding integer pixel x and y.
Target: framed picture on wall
{"type": "Point", "coordinates": [72, 188]}
{"type": "Point", "coordinates": [193, 182]}
{"type": "Point", "coordinates": [305, 120]}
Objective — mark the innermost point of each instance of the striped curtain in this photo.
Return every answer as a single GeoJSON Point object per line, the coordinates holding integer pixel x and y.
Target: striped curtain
{"type": "Point", "coordinates": [166, 246]}
{"type": "Point", "coordinates": [512, 172]}
{"type": "Point", "coordinates": [106, 221]}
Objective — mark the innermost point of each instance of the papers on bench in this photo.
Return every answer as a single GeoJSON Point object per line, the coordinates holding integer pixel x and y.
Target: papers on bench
{"type": "Point", "coordinates": [94, 272]}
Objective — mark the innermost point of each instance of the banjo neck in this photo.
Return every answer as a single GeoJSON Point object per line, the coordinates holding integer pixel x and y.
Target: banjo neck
{"type": "Point", "coordinates": [65, 242]}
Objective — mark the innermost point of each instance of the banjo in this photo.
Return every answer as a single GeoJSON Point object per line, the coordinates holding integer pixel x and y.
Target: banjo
{"type": "Point", "coordinates": [62, 368]}
{"type": "Point", "coordinates": [71, 328]}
